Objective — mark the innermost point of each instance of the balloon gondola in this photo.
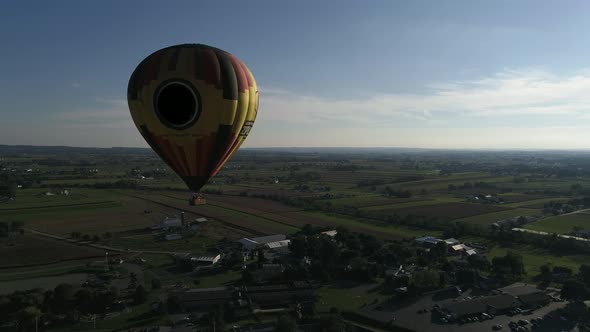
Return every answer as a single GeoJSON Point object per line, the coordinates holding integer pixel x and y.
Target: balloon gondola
{"type": "Point", "coordinates": [194, 105]}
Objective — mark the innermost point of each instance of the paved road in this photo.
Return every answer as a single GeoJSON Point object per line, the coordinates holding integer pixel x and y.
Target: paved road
{"type": "Point", "coordinates": [525, 230]}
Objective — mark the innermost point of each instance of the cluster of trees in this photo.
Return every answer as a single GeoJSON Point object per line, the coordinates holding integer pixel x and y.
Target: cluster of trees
{"type": "Point", "coordinates": [119, 184]}
{"type": "Point", "coordinates": [470, 185]}
{"type": "Point", "coordinates": [25, 307]}
{"type": "Point", "coordinates": [65, 303]}
{"type": "Point", "coordinates": [510, 266]}
{"type": "Point", "coordinates": [8, 186]}
{"type": "Point", "coordinates": [347, 255]}
{"type": "Point", "coordinates": [576, 287]}
{"type": "Point", "coordinates": [11, 227]}
{"type": "Point", "coordinates": [88, 237]}
{"type": "Point", "coordinates": [399, 193]}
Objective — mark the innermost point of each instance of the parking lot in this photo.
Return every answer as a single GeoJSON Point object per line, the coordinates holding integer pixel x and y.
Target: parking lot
{"type": "Point", "coordinates": [411, 315]}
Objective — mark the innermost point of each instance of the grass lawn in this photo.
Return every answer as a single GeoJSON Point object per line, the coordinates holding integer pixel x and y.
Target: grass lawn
{"type": "Point", "coordinates": [536, 202]}
{"type": "Point", "coordinates": [533, 258]}
{"type": "Point", "coordinates": [345, 299]}
{"type": "Point", "coordinates": [433, 201]}
{"type": "Point", "coordinates": [355, 225]}
{"type": "Point", "coordinates": [219, 280]}
{"type": "Point", "coordinates": [561, 224]}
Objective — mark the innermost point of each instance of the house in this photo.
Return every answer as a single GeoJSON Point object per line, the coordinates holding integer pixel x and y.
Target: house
{"type": "Point", "coordinates": [427, 241]}
{"type": "Point", "coordinates": [451, 241]}
{"type": "Point", "coordinates": [206, 260]}
{"type": "Point", "coordinates": [277, 245]}
{"type": "Point", "coordinates": [461, 249]}
{"type": "Point", "coordinates": [172, 237]}
{"type": "Point", "coordinates": [497, 304]}
{"type": "Point", "coordinates": [168, 223]}
{"type": "Point", "coordinates": [253, 243]}
{"type": "Point", "coordinates": [331, 233]}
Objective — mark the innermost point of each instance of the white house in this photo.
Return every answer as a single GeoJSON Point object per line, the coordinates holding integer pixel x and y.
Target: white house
{"type": "Point", "coordinates": [206, 260]}
{"type": "Point", "coordinates": [331, 233]}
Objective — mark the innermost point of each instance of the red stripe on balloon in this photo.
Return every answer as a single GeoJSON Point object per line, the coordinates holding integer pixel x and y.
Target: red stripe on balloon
{"type": "Point", "coordinates": [207, 67]}
{"type": "Point", "coordinates": [166, 149]}
{"type": "Point", "coordinates": [240, 74]}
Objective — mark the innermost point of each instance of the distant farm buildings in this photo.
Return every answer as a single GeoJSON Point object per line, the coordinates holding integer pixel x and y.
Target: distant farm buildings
{"type": "Point", "coordinates": [454, 247]}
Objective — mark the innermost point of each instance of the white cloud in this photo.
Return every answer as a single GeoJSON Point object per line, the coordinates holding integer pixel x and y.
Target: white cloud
{"type": "Point", "coordinates": [508, 93]}
{"type": "Point", "coordinates": [107, 113]}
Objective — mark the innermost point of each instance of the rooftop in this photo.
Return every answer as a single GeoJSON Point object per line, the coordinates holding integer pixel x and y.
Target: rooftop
{"type": "Point", "coordinates": [475, 306]}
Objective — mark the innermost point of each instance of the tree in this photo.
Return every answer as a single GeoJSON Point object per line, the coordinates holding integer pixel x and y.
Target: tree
{"type": "Point", "coordinates": [132, 280]}
{"type": "Point", "coordinates": [575, 290]}
{"type": "Point", "coordinates": [140, 295]}
{"type": "Point", "coordinates": [285, 324]}
{"type": "Point", "coordinates": [16, 226]}
{"type": "Point", "coordinates": [63, 295]}
{"type": "Point", "coordinates": [425, 280]}
{"type": "Point", "coordinates": [85, 300]}
{"type": "Point", "coordinates": [27, 317]}
{"type": "Point", "coordinates": [439, 250]}
{"type": "Point", "coordinates": [156, 283]}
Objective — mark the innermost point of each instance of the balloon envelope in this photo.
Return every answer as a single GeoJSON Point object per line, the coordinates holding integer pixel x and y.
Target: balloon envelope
{"type": "Point", "coordinates": [194, 105]}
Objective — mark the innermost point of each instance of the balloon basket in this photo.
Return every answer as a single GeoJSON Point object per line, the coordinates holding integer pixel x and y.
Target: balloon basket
{"type": "Point", "coordinates": [197, 199]}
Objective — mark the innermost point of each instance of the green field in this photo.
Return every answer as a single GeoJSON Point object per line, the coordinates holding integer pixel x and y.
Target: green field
{"type": "Point", "coordinates": [489, 218]}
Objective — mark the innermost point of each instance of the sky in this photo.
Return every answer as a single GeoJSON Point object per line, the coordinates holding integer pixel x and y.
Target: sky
{"type": "Point", "coordinates": [429, 74]}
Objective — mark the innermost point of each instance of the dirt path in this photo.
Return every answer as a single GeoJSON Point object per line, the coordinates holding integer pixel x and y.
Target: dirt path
{"type": "Point", "coordinates": [103, 247]}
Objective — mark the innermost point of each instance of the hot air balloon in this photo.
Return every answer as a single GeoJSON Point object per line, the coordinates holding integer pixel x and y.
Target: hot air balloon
{"type": "Point", "coordinates": [194, 105]}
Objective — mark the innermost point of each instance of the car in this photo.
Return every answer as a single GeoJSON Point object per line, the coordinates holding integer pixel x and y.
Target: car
{"type": "Point", "coordinates": [523, 322]}
{"type": "Point", "coordinates": [512, 324]}
{"type": "Point", "coordinates": [497, 327]}
{"type": "Point", "coordinates": [444, 320]}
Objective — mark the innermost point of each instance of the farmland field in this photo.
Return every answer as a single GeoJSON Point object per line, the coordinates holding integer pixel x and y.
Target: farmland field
{"type": "Point", "coordinates": [33, 250]}
{"type": "Point", "coordinates": [563, 224]}
{"type": "Point", "coordinates": [489, 218]}
{"type": "Point", "coordinates": [445, 212]}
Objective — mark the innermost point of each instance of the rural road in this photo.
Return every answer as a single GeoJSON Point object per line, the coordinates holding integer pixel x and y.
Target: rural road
{"type": "Point", "coordinates": [103, 247]}
{"type": "Point", "coordinates": [524, 230]}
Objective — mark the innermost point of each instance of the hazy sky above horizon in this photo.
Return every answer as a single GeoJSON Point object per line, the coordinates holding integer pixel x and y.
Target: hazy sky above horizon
{"type": "Point", "coordinates": [440, 74]}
